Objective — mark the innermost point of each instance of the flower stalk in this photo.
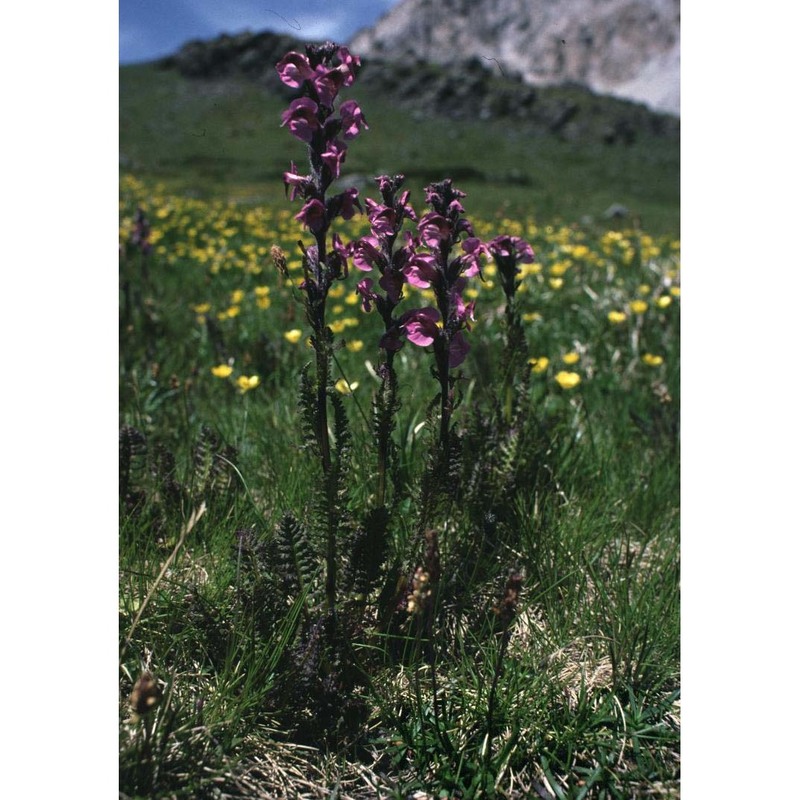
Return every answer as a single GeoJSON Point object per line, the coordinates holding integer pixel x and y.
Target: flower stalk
{"type": "Point", "coordinates": [314, 119]}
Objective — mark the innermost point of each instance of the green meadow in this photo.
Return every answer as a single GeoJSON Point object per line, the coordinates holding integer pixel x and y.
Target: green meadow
{"type": "Point", "coordinates": [540, 657]}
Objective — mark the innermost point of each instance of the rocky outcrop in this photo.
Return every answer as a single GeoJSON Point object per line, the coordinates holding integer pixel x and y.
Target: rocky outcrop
{"type": "Point", "coordinates": [626, 48]}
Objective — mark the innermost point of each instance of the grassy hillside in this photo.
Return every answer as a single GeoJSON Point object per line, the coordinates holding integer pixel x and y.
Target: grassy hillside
{"type": "Point", "coordinates": [222, 138]}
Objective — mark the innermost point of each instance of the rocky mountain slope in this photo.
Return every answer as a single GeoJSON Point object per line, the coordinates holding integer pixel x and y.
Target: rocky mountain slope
{"type": "Point", "coordinates": [626, 48]}
{"type": "Point", "coordinates": [468, 89]}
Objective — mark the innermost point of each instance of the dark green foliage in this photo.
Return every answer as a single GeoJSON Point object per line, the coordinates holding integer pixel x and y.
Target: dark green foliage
{"type": "Point", "coordinates": [132, 466]}
{"type": "Point", "coordinates": [307, 406]}
{"type": "Point", "coordinates": [317, 698]}
{"type": "Point", "coordinates": [263, 584]}
{"type": "Point", "coordinates": [295, 559]}
{"type": "Point", "coordinates": [170, 491]}
{"type": "Point", "coordinates": [385, 407]}
{"type": "Point", "coordinates": [213, 471]}
{"type": "Point", "coordinates": [342, 452]}
{"type": "Point", "coordinates": [365, 563]}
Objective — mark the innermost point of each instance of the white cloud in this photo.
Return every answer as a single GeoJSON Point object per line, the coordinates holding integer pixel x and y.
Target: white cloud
{"type": "Point", "coordinates": [320, 19]}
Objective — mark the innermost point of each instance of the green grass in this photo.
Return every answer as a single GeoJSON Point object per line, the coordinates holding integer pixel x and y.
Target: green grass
{"type": "Point", "coordinates": [578, 697]}
{"type": "Point", "coordinates": [223, 138]}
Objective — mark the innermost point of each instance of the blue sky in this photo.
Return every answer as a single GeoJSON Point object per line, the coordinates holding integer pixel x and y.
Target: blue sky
{"type": "Point", "coordinates": [149, 29]}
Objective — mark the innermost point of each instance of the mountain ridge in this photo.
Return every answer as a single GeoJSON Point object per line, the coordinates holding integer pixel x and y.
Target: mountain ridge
{"type": "Point", "coordinates": [473, 88]}
{"type": "Point", "coordinates": [624, 48]}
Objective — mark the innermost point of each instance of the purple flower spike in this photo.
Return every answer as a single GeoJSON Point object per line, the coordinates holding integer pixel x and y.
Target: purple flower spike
{"type": "Point", "coordinates": [507, 252]}
{"type": "Point", "coordinates": [293, 69]}
{"type": "Point", "coordinates": [352, 119]}
{"type": "Point", "coordinates": [408, 211]}
{"type": "Point", "coordinates": [368, 297]}
{"type": "Point", "coordinates": [473, 247]}
{"type": "Point", "coordinates": [312, 215]}
{"type": "Point", "coordinates": [434, 229]}
{"type": "Point", "coordinates": [420, 326]}
{"type": "Point", "coordinates": [327, 83]}
{"type": "Point", "coordinates": [366, 253]}
{"type": "Point", "coordinates": [505, 247]}
{"type": "Point", "coordinates": [349, 65]}
{"type": "Point", "coordinates": [334, 156]}
{"type": "Point", "coordinates": [346, 203]}
{"type": "Point", "coordinates": [382, 218]}
{"type": "Point", "coordinates": [420, 270]}
{"type": "Point", "coordinates": [295, 183]}
{"type": "Point", "coordinates": [302, 119]}
{"type": "Point", "coordinates": [392, 284]}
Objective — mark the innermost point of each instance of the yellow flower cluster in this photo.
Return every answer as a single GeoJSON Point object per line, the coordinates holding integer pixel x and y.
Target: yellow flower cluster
{"type": "Point", "coordinates": [243, 382]}
{"type": "Point", "coordinates": [568, 380]}
{"type": "Point", "coordinates": [624, 278]}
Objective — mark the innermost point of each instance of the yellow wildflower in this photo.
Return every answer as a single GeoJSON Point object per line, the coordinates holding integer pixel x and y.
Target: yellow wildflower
{"type": "Point", "coordinates": [539, 364]}
{"type": "Point", "coordinates": [580, 251]}
{"type": "Point", "coordinates": [293, 336]}
{"type": "Point", "coordinates": [236, 297]}
{"type": "Point", "coordinates": [675, 291]}
{"type": "Point", "coordinates": [222, 371]}
{"type": "Point", "coordinates": [531, 316]}
{"type": "Point", "coordinates": [638, 306]}
{"type": "Point", "coordinates": [556, 283]}
{"type": "Point", "coordinates": [263, 303]}
{"type": "Point", "coordinates": [570, 358]}
{"type": "Point", "coordinates": [202, 308]}
{"type": "Point", "coordinates": [644, 288]}
{"type": "Point", "coordinates": [663, 301]}
{"type": "Point", "coordinates": [355, 346]}
{"type": "Point", "coordinates": [261, 291]}
{"type": "Point", "coordinates": [616, 317]}
{"type": "Point", "coordinates": [568, 380]}
{"type": "Point", "coordinates": [343, 387]}
{"type": "Point", "coordinates": [245, 384]}
{"type": "Point", "coordinates": [652, 361]}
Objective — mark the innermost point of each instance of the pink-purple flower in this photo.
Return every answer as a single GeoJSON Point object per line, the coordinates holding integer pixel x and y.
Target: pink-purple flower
{"type": "Point", "coordinates": [302, 118]}
{"type": "Point", "coordinates": [334, 155]}
{"type": "Point", "coordinates": [420, 326]}
{"type": "Point", "coordinates": [295, 183]}
{"type": "Point", "coordinates": [352, 119]}
{"type": "Point", "coordinates": [508, 252]}
{"type": "Point", "coordinates": [312, 215]}
{"type": "Point", "coordinates": [294, 68]}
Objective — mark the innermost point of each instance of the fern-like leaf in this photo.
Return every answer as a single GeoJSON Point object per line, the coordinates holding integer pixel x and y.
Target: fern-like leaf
{"type": "Point", "coordinates": [132, 462]}
{"type": "Point", "coordinates": [307, 405]}
{"type": "Point", "coordinates": [368, 552]}
{"type": "Point", "coordinates": [295, 557]}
